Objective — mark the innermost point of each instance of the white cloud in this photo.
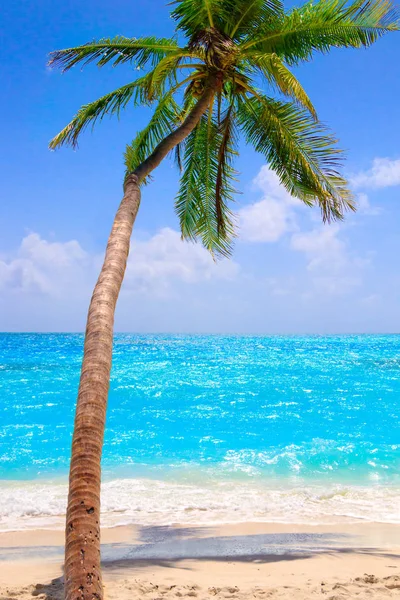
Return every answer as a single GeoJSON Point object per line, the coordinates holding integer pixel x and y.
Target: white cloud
{"type": "Point", "coordinates": [53, 268]}
{"type": "Point", "coordinates": [268, 181]}
{"type": "Point", "coordinates": [154, 263]}
{"type": "Point", "coordinates": [276, 214]}
{"type": "Point", "coordinates": [333, 268]}
{"type": "Point", "coordinates": [273, 216]}
{"type": "Point", "coordinates": [321, 246]}
{"type": "Point", "coordinates": [383, 173]}
{"type": "Point", "coordinates": [43, 266]}
{"type": "Point", "coordinates": [265, 221]}
{"type": "Point", "coordinates": [364, 206]}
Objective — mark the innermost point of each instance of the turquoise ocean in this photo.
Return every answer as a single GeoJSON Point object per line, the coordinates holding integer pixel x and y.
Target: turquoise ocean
{"type": "Point", "coordinates": [208, 429]}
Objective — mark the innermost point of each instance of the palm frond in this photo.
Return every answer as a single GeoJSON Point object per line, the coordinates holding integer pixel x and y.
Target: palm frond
{"type": "Point", "coordinates": [142, 91]}
{"type": "Point", "coordinates": [232, 43]}
{"type": "Point", "coordinates": [245, 16]}
{"type": "Point", "coordinates": [300, 151]}
{"type": "Point", "coordinates": [279, 76]}
{"type": "Point", "coordinates": [89, 114]}
{"type": "Point", "coordinates": [225, 172]}
{"type": "Point", "coordinates": [179, 149]}
{"type": "Point", "coordinates": [194, 15]}
{"type": "Point", "coordinates": [116, 50]}
{"type": "Point", "coordinates": [323, 25]}
{"type": "Point", "coordinates": [196, 203]}
{"type": "Point", "coordinates": [188, 201]}
{"type": "Point", "coordinates": [163, 121]}
{"type": "Point", "coordinates": [163, 72]}
{"type": "Point", "coordinates": [188, 103]}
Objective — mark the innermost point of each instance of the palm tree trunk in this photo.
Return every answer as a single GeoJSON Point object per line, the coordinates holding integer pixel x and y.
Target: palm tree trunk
{"type": "Point", "coordinates": [82, 545]}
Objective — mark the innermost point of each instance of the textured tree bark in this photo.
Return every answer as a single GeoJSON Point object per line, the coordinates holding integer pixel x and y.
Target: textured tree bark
{"type": "Point", "coordinates": [82, 548]}
{"type": "Point", "coordinates": [82, 569]}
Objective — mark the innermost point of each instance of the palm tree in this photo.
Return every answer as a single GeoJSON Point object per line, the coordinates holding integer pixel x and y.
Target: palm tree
{"type": "Point", "coordinates": [206, 90]}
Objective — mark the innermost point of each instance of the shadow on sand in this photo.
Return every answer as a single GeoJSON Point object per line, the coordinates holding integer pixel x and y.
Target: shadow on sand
{"type": "Point", "coordinates": [170, 547]}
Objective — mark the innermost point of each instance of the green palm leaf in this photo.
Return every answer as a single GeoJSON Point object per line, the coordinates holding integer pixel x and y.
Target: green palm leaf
{"type": "Point", "coordinates": [225, 173]}
{"type": "Point", "coordinates": [195, 15]}
{"type": "Point", "coordinates": [300, 151]}
{"type": "Point", "coordinates": [163, 121]}
{"type": "Point", "coordinates": [230, 45]}
{"type": "Point", "coordinates": [321, 26]}
{"type": "Point", "coordinates": [189, 201]}
{"type": "Point", "coordinates": [89, 114]}
{"type": "Point", "coordinates": [117, 51]}
{"type": "Point", "coordinates": [165, 71]}
{"type": "Point", "coordinates": [196, 203]}
{"type": "Point", "coordinates": [279, 76]}
{"type": "Point", "coordinates": [142, 91]}
{"type": "Point", "coordinates": [246, 15]}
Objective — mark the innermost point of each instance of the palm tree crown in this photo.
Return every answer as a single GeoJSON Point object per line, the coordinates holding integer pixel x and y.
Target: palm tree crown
{"type": "Point", "coordinates": [243, 50]}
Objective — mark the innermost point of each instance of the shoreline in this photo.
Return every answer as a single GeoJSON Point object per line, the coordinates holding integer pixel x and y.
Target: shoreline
{"type": "Point", "coordinates": [242, 561]}
{"type": "Point", "coordinates": [41, 504]}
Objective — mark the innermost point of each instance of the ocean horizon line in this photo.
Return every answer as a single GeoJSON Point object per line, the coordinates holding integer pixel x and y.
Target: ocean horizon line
{"type": "Point", "coordinates": [212, 334]}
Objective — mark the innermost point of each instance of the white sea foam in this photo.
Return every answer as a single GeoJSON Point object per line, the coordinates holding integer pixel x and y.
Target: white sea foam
{"type": "Point", "coordinates": [145, 501]}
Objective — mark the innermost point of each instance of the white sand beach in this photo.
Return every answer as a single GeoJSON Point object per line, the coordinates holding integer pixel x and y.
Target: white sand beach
{"type": "Point", "coordinates": [239, 562]}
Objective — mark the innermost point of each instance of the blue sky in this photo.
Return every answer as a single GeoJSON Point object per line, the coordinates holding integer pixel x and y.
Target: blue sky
{"type": "Point", "coordinates": [288, 274]}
